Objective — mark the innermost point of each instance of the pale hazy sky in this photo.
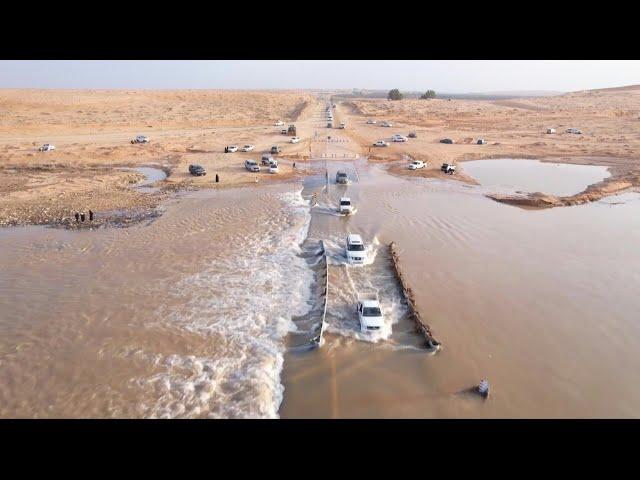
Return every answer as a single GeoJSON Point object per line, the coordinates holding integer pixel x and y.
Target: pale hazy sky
{"type": "Point", "coordinates": [451, 76]}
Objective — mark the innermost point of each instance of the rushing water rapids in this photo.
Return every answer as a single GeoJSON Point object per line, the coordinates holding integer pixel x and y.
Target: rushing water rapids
{"type": "Point", "coordinates": [191, 315]}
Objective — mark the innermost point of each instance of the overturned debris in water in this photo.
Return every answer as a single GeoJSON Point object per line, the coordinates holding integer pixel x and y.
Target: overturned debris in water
{"type": "Point", "coordinates": [422, 326]}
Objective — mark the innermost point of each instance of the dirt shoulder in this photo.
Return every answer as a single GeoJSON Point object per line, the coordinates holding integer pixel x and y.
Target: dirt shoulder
{"type": "Point", "coordinates": [92, 132]}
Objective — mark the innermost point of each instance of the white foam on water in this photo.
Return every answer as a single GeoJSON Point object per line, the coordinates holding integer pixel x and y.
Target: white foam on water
{"type": "Point", "coordinates": [244, 303]}
{"type": "Point", "coordinates": [348, 281]}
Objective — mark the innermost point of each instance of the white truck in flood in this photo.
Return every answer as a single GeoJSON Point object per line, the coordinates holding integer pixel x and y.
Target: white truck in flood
{"type": "Point", "coordinates": [346, 207]}
{"type": "Point", "coordinates": [369, 312]}
{"type": "Point", "coordinates": [356, 253]}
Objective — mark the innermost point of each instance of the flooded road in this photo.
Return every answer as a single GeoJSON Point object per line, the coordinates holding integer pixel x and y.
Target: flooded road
{"type": "Point", "coordinates": [192, 314]}
{"type": "Point", "coordinates": [541, 303]}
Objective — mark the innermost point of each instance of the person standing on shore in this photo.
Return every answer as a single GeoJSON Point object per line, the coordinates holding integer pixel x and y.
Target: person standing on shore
{"type": "Point", "coordinates": [77, 217]}
{"type": "Point", "coordinates": [217, 178]}
{"type": "Point", "coordinates": [91, 215]}
{"type": "Point", "coordinates": [82, 217]}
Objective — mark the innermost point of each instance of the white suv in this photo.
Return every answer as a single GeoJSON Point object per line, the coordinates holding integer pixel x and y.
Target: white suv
{"type": "Point", "coordinates": [356, 254]}
{"type": "Point", "coordinates": [251, 165]}
{"type": "Point", "coordinates": [248, 148]}
{"type": "Point", "coordinates": [416, 164]}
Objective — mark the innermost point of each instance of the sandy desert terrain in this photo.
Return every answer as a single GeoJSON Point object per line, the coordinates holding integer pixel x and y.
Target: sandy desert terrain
{"type": "Point", "coordinates": [92, 130]}
{"type": "Point", "coordinates": [608, 118]}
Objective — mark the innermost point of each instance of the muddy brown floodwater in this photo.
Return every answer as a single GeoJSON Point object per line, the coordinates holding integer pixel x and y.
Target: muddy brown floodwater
{"type": "Point", "coordinates": [195, 313]}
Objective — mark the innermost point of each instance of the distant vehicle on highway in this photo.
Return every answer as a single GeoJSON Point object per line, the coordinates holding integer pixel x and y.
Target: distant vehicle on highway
{"type": "Point", "coordinates": [248, 148]}
{"type": "Point", "coordinates": [140, 139]}
{"type": "Point", "coordinates": [197, 170]}
{"type": "Point", "coordinates": [47, 147]}
{"type": "Point", "coordinates": [416, 164]}
{"type": "Point", "coordinates": [446, 140]}
{"type": "Point", "coordinates": [294, 140]}
{"type": "Point", "coordinates": [381, 143]}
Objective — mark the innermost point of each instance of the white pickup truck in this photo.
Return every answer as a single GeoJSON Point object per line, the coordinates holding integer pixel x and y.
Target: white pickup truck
{"type": "Point", "coordinates": [416, 164]}
{"type": "Point", "coordinates": [369, 312]}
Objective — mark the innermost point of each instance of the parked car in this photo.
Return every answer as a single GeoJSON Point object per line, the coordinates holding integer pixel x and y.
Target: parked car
{"type": "Point", "coordinates": [273, 167]}
{"type": "Point", "coordinates": [283, 131]}
{"type": "Point", "coordinates": [266, 159]}
{"type": "Point", "coordinates": [413, 135]}
{"type": "Point", "coordinates": [481, 141]}
{"type": "Point", "coordinates": [386, 124]}
{"type": "Point", "coordinates": [369, 312]}
{"type": "Point", "coordinates": [248, 148]}
{"type": "Point", "coordinates": [341, 177]}
{"type": "Point", "coordinates": [294, 140]}
{"type": "Point", "coordinates": [232, 149]}
{"type": "Point", "coordinates": [371, 122]}
{"type": "Point", "coordinates": [381, 143]}
{"type": "Point", "coordinates": [197, 170]}
{"type": "Point", "coordinates": [446, 140]}
{"type": "Point", "coordinates": [356, 253]}
{"type": "Point", "coordinates": [449, 168]}
{"type": "Point", "coordinates": [416, 164]}
{"type": "Point", "coordinates": [329, 125]}
{"type": "Point", "coordinates": [276, 149]}
{"type": "Point", "coordinates": [343, 125]}
{"type": "Point", "coordinates": [47, 147]}
{"type": "Point", "coordinates": [399, 138]}
{"type": "Point", "coordinates": [574, 130]}
{"type": "Point", "coordinates": [140, 139]}
{"type": "Point", "coordinates": [279, 123]}
{"type": "Point", "coordinates": [251, 165]}
{"type": "Point", "coordinates": [551, 130]}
